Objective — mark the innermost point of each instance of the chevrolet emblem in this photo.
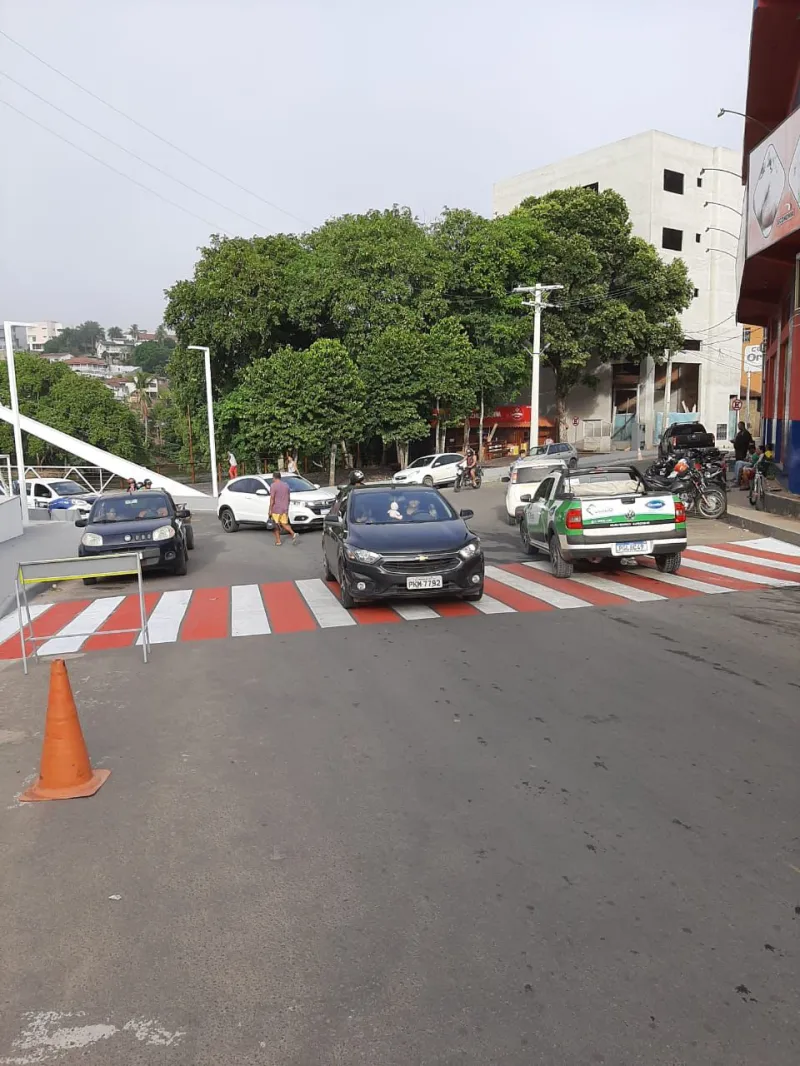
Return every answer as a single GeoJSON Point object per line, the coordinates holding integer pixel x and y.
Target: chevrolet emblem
{"type": "Point", "coordinates": [422, 558]}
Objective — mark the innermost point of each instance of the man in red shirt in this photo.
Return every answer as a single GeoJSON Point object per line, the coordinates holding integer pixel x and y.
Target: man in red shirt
{"type": "Point", "coordinates": [279, 508]}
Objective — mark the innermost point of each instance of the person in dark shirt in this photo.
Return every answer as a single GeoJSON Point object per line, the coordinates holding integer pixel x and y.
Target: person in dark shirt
{"type": "Point", "coordinates": [279, 508]}
{"type": "Point", "coordinates": [743, 442]}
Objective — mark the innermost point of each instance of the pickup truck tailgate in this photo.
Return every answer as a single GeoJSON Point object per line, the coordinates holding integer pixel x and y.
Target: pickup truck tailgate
{"type": "Point", "coordinates": [626, 517]}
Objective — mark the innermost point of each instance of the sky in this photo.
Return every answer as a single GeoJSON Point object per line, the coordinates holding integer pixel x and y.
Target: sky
{"type": "Point", "coordinates": [318, 107]}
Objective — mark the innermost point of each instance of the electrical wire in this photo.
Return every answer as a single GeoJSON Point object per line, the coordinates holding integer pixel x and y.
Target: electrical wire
{"type": "Point", "coordinates": [133, 155]}
{"type": "Point", "coordinates": [121, 173]}
{"type": "Point", "coordinates": [158, 136]}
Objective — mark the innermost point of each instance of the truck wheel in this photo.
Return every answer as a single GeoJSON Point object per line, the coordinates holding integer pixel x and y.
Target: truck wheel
{"type": "Point", "coordinates": [560, 566]}
{"type": "Point", "coordinates": [511, 519]}
{"type": "Point", "coordinates": [669, 564]}
{"type": "Point", "coordinates": [527, 547]}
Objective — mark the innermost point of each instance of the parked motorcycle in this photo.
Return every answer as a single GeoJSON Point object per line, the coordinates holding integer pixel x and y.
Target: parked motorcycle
{"type": "Point", "coordinates": [702, 494]}
{"type": "Point", "coordinates": [463, 480]}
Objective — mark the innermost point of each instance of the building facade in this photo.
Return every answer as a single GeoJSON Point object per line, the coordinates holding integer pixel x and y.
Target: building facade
{"type": "Point", "coordinates": [769, 245]}
{"type": "Point", "coordinates": [39, 333]}
{"type": "Point", "coordinates": [684, 198]}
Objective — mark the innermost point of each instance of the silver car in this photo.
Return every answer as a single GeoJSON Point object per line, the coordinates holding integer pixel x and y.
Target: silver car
{"type": "Point", "coordinates": [552, 453]}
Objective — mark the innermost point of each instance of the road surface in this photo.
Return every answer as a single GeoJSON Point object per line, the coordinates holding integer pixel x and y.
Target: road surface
{"type": "Point", "coordinates": [558, 837]}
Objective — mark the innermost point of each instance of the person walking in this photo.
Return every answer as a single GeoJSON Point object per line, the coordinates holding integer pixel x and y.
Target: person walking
{"type": "Point", "coordinates": [291, 464]}
{"type": "Point", "coordinates": [279, 508]}
{"type": "Point", "coordinates": [233, 466]}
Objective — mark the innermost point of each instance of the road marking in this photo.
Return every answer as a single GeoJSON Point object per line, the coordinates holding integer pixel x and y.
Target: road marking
{"type": "Point", "coordinates": [489, 605]}
{"type": "Point", "coordinates": [735, 550]}
{"type": "Point", "coordinates": [514, 599]}
{"type": "Point", "coordinates": [415, 612]}
{"type": "Point", "coordinates": [606, 584]}
{"type": "Point", "coordinates": [165, 621]}
{"type": "Point", "coordinates": [248, 614]}
{"type": "Point", "coordinates": [48, 624]}
{"type": "Point", "coordinates": [779, 570]}
{"type": "Point", "coordinates": [725, 571]}
{"type": "Point", "coordinates": [286, 608]}
{"type": "Point", "coordinates": [324, 606]}
{"type": "Point", "coordinates": [74, 633]}
{"type": "Point", "coordinates": [678, 581]}
{"type": "Point", "coordinates": [772, 544]}
{"type": "Point", "coordinates": [598, 597]}
{"type": "Point", "coordinates": [455, 609]}
{"type": "Point", "coordinates": [126, 616]}
{"type": "Point", "coordinates": [539, 592]}
{"type": "Point", "coordinates": [208, 616]}
{"type": "Point", "coordinates": [375, 614]}
{"type": "Point", "coordinates": [9, 626]}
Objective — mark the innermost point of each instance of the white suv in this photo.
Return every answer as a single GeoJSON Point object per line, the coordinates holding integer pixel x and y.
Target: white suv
{"type": "Point", "coordinates": [245, 502]}
{"type": "Point", "coordinates": [430, 470]}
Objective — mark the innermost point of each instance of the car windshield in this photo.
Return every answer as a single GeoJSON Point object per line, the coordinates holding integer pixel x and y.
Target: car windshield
{"type": "Point", "coordinates": [68, 488]}
{"type": "Point", "coordinates": [388, 507]}
{"type": "Point", "coordinates": [527, 475]}
{"type": "Point", "coordinates": [296, 484]}
{"type": "Point", "coordinates": [140, 506]}
{"type": "Point", "coordinates": [424, 461]}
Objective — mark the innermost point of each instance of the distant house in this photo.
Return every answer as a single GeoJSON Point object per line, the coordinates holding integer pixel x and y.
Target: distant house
{"type": "Point", "coordinates": [118, 350]}
{"type": "Point", "coordinates": [88, 367]}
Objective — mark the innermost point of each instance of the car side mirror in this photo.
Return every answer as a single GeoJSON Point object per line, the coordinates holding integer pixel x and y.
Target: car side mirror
{"type": "Point", "coordinates": [506, 478]}
{"type": "Point", "coordinates": [183, 512]}
{"type": "Point", "coordinates": [81, 522]}
{"type": "Point", "coordinates": [332, 520]}
{"type": "Point", "coordinates": [262, 492]}
{"type": "Point", "coordinates": [316, 486]}
{"type": "Point", "coordinates": [526, 498]}
{"type": "Point", "coordinates": [466, 513]}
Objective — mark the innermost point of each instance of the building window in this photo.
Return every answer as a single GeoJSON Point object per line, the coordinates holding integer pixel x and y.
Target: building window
{"type": "Point", "coordinates": [696, 293]}
{"type": "Point", "coordinates": [699, 183]}
{"type": "Point", "coordinates": [672, 239]}
{"type": "Point", "coordinates": [697, 238]}
{"type": "Point", "coordinates": [746, 335]}
{"type": "Point", "coordinates": [691, 345]}
{"type": "Point", "coordinates": [593, 187]}
{"type": "Point", "coordinates": [673, 182]}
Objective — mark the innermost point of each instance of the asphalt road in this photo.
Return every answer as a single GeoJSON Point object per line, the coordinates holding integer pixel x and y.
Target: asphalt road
{"type": "Point", "coordinates": [559, 839]}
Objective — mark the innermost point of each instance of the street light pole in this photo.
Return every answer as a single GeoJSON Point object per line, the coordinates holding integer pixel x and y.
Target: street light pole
{"type": "Point", "coordinates": [536, 355]}
{"type": "Point", "coordinates": [12, 388]}
{"type": "Point", "coordinates": [212, 441]}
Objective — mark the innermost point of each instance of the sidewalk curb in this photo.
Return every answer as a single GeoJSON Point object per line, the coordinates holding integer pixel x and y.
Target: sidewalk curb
{"type": "Point", "coordinates": [9, 604]}
{"type": "Point", "coordinates": [764, 529]}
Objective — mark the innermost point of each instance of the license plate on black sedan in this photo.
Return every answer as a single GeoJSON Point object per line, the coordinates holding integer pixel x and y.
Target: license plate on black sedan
{"type": "Point", "coordinates": [432, 582]}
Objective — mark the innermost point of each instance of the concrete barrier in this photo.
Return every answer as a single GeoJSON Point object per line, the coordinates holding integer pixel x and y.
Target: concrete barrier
{"type": "Point", "coordinates": [10, 518]}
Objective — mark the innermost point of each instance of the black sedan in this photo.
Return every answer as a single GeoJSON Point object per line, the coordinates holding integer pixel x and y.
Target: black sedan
{"type": "Point", "coordinates": [385, 541]}
{"type": "Point", "coordinates": [146, 522]}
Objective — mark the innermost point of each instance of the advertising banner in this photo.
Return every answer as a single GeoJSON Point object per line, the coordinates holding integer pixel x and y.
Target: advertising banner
{"type": "Point", "coordinates": [773, 199]}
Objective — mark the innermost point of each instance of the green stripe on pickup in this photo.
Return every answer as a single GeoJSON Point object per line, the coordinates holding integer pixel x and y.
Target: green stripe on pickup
{"type": "Point", "coordinates": [621, 520]}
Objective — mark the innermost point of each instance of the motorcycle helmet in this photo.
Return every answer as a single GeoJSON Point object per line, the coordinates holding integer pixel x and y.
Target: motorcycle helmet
{"type": "Point", "coordinates": [356, 477]}
{"type": "Point", "coordinates": [681, 467]}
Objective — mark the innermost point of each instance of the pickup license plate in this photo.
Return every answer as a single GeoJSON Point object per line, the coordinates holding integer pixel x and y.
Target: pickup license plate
{"type": "Point", "coordinates": [424, 582]}
{"type": "Point", "coordinates": [632, 547]}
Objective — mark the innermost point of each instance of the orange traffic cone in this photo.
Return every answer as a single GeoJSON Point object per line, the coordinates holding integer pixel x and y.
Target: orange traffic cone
{"type": "Point", "coordinates": [65, 771]}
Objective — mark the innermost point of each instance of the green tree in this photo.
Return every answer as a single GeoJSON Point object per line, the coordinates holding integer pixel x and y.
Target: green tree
{"type": "Point", "coordinates": [451, 375]}
{"type": "Point", "coordinates": [152, 356]}
{"type": "Point", "coordinates": [78, 340]}
{"type": "Point", "coordinates": [114, 333]}
{"type": "Point", "coordinates": [620, 301]}
{"type": "Point", "coordinates": [133, 332]}
{"type": "Point", "coordinates": [141, 399]}
{"type": "Point", "coordinates": [394, 374]}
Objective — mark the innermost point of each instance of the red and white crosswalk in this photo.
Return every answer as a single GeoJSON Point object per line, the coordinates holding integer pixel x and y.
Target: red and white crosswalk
{"type": "Point", "coordinates": [188, 615]}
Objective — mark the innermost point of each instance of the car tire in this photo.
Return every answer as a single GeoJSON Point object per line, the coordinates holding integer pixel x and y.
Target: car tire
{"type": "Point", "coordinates": [190, 538]}
{"type": "Point", "coordinates": [345, 598]}
{"type": "Point", "coordinates": [428, 481]}
{"type": "Point", "coordinates": [182, 564]}
{"type": "Point", "coordinates": [90, 581]}
{"type": "Point", "coordinates": [527, 547]}
{"type": "Point", "coordinates": [559, 565]}
{"type": "Point", "coordinates": [668, 564]}
{"type": "Point", "coordinates": [511, 519]}
{"type": "Point", "coordinates": [228, 520]}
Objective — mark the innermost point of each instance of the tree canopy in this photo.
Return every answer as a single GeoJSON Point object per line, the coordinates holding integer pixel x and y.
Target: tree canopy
{"type": "Point", "coordinates": [77, 340]}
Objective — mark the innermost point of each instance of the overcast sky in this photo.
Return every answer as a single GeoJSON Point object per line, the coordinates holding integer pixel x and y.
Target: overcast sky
{"type": "Point", "coordinates": [320, 107]}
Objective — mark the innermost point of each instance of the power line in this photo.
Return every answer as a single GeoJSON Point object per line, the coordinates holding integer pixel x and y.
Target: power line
{"type": "Point", "coordinates": [133, 155]}
{"type": "Point", "coordinates": [152, 133]}
{"type": "Point", "coordinates": [121, 173]}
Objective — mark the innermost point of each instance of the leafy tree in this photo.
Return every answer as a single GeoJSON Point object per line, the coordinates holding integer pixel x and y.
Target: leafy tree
{"type": "Point", "coordinates": [451, 375]}
{"type": "Point", "coordinates": [620, 300]}
{"type": "Point", "coordinates": [152, 356]}
{"type": "Point", "coordinates": [114, 333]}
{"type": "Point", "coordinates": [394, 374]}
{"type": "Point", "coordinates": [133, 332]}
{"type": "Point", "coordinates": [141, 399]}
{"type": "Point", "coordinates": [78, 340]}
{"type": "Point", "coordinates": [161, 333]}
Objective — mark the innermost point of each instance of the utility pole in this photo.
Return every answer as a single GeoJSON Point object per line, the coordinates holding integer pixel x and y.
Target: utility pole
{"type": "Point", "coordinates": [538, 306]}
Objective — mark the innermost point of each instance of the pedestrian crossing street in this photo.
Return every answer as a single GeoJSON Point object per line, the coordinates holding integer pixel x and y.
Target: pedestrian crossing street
{"type": "Point", "coordinates": [282, 607]}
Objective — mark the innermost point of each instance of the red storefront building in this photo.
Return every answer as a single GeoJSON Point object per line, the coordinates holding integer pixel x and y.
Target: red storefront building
{"type": "Point", "coordinates": [769, 249]}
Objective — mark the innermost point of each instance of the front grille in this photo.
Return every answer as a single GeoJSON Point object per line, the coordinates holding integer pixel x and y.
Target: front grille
{"type": "Point", "coordinates": [134, 538]}
{"type": "Point", "coordinates": [434, 564]}
{"type": "Point", "coordinates": [318, 508]}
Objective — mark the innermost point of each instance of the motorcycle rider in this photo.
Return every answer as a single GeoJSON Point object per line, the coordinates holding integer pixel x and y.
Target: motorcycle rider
{"type": "Point", "coordinates": [472, 465]}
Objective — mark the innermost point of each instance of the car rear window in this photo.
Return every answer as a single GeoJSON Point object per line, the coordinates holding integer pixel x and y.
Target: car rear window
{"type": "Point", "coordinates": [389, 507]}
{"type": "Point", "coordinates": [529, 475]}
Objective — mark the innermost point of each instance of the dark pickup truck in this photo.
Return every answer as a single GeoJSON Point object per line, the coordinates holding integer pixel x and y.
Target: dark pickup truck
{"type": "Point", "coordinates": [685, 436]}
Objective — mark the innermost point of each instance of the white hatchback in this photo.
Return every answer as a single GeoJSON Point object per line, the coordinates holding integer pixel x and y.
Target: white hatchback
{"type": "Point", "coordinates": [438, 469]}
{"type": "Point", "coordinates": [245, 502]}
{"type": "Point", "coordinates": [524, 478]}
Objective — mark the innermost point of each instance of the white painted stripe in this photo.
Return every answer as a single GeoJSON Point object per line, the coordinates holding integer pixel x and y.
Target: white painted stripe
{"type": "Point", "coordinates": [740, 557]}
{"type": "Point", "coordinates": [726, 571]}
{"type": "Point", "coordinates": [9, 624]}
{"type": "Point", "coordinates": [530, 588]}
{"type": "Point", "coordinates": [165, 621]}
{"type": "Point", "coordinates": [324, 606]}
{"type": "Point", "coordinates": [72, 636]}
{"type": "Point", "coordinates": [679, 580]}
{"type": "Point", "coordinates": [489, 605]}
{"type": "Point", "coordinates": [415, 612]}
{"type": "Point", "coordinates": [248, 616]}
{"type": "Point", "coordinates": [772, 544]}
{"type": "Point", "coordinates": [608, 584]}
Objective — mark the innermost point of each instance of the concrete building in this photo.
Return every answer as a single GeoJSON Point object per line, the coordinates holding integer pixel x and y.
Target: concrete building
{"type": "Point", "coordinates": [39, 333]}
{"type": "Point", "coordinates": [684, 198]}
{"type": "Point", "coordinates": [769, 247]}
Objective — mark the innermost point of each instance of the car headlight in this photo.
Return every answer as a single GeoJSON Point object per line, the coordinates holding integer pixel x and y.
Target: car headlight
{"type": "Point", "coordinates": [361, 555]}
{"type": "Point", "coordinates": [163, 533]}
{"type": "Point", "coordinates": [469, 549]}
{"type": "Point", "coordinates": [92, 540]}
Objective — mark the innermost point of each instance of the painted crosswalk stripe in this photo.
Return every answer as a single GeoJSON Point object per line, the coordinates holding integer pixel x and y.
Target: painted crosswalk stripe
{"type": "Point", "coordinates": [165, 622]}
{"type": "Point", "coordinates": [681, 582]}
{"type": "Point", "coordinates": [594, 595]}
{"type": "Point", "coordinates": [415, 612]}
{"type": "Point", "coordinates": [771, 544]}
{"type": "Point", "coordinates": [605, 584]}
{"type": "Point", "coordinates": [9, 625]}
{"type": "Point", "coordinates": [248, 616]}
{"type": "Point", "coordinates": [489, 605]}
{"type": "Point", "coordinates": [702, 566]}
{"type": "Point", "coordinates": [745, 551]}
{"type": "Point", "coordinates": [327, 610]}
{"type": "Point", "coordinates": [562, 600]}
{"type": "Point", "coordinates": [746, 560]}
{"type": "Point", "coordinates": [72, 636]}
